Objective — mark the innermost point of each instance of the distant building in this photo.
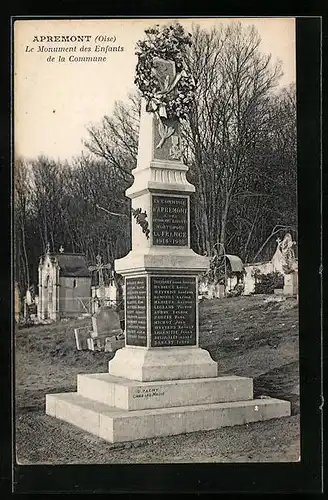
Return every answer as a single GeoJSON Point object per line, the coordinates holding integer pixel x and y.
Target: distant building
{"type": "Point", "coordinates": [64, 285]}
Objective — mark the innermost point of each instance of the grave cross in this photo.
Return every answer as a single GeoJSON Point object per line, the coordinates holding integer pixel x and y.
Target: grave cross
{"type": "Point", "coordinates": [99, 267]}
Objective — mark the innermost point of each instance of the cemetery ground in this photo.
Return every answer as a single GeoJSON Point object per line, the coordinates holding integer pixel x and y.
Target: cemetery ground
{"type": "Point", "coordinates": [254, 336]}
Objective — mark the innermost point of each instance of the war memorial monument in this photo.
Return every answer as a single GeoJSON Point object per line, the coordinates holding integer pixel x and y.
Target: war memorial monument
{"type": "Point", "coordinates": [161, 383]}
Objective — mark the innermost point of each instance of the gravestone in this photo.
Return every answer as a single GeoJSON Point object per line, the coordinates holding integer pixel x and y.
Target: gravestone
{"type": "Point", "coordinates": [112, 344]}
{"type": "Point", "coordinates": [105, 321]}
{"type": "Point", "coordinates": [291, 283]}
{"type": "Point", "coordinates": [99, 268]}
{"type": "Point", "coordinates": [106, 332]}
{"type": "Point", "coordinates": [290, 266]}
{"type": "Point", "coordinates": [82, 334]}
{"type": "Point", "coordinates": [162, 382]}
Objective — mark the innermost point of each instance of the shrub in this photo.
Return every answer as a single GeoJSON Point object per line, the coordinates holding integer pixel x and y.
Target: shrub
{"type": "Point", "coordinates": [237, 290]}
{"type": "Point", "coordinates": [267, 283]}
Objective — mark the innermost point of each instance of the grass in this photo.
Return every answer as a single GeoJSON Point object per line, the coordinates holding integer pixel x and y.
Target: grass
{"type": "Point", "coordinates": [46, 360]}
{"type": "Point", "coordinates": [253, 336]}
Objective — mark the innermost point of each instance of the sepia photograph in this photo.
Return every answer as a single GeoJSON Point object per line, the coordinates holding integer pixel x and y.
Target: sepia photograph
{"type": "Point", "coordinates": [155, 212]}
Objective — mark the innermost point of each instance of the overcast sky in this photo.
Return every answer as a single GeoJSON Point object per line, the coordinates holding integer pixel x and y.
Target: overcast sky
{"type": "Point", "coordinates": [54, 102]}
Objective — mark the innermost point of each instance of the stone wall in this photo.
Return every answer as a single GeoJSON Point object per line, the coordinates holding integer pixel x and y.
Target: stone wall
{"type": "Point", "coordinates": [73, 293]}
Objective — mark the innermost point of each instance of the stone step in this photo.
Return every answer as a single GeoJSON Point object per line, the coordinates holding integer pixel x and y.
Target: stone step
{"type": "Point", "coordinates": [116, 425]}
{"type": "Point", "coordinates": [134, 395]}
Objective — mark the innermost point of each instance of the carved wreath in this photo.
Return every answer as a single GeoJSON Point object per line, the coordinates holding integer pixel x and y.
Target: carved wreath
{"type": "Point", "coordinates": [141, 220]}
{"type": "Point", "coordinates": [168, 43]}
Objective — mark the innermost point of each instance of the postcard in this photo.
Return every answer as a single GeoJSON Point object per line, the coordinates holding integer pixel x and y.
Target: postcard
{"type": "Point", "coordinates": [156, 241]}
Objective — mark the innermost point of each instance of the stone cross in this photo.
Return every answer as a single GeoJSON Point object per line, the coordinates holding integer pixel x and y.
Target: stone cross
{"type": "Point", "coordinates": [99, 267]}
{"type": "Point", "coordinates": [61, 249]}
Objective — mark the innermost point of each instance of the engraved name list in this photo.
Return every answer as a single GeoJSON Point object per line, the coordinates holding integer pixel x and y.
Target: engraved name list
{"type": "Point", "coordinates": [173, 311]}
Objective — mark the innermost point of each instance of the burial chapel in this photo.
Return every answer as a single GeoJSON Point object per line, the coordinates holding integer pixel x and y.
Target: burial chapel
{"type": "Point", "coordinates": [64, 285]}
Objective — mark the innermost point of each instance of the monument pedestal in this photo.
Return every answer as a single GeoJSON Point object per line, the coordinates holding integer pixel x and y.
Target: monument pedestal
{"type": "Point", "coordinates": [117, 409]}
{"type": "Point", "coordinates": [161, 383]}
{"type": "Point", "coordinates": [166, 363]}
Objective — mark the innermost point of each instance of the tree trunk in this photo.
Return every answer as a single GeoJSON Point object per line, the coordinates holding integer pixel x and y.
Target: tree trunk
{"type": "Point", "coordinates": [25, 256]}
{"type": "Point", "coordinates": [224, 220]}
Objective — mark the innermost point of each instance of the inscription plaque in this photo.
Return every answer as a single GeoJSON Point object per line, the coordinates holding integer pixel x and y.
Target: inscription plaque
{"type": "Point", "coordinates": [170, 220]}
{"type": "Point", "coordinates": [173, 311]}
{"type": "Point", "coordinates": [136, 311]}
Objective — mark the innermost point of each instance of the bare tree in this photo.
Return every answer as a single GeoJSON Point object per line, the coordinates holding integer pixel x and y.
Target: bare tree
{"type": "Point", "coordinates": [234, 81]}
{"type": "Point", "coordinates": [116, 141]}
{"type": "Point", "coordinates": [22, 203]}
{"type": "Point", "coordinates": [92, 184]}
{"type": "Point", "coordinates": [48, 190]}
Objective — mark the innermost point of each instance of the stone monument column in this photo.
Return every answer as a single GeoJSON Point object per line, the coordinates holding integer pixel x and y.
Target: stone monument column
{"type": "Point", "coordinates": [161, 270]}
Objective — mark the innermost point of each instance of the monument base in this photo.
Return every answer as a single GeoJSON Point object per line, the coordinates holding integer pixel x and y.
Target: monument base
{"type": "Point", "coordinates": [117, 409]}
{"type": "Point", "coordinates": [165, 363]}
